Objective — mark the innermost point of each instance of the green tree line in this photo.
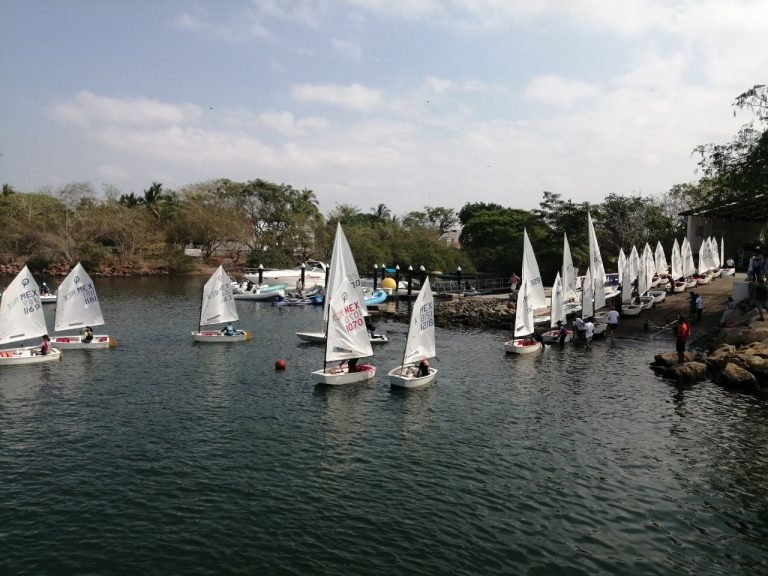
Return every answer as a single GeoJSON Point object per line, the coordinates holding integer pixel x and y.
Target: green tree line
{"type": "Point", "coordinates": [276, 225]}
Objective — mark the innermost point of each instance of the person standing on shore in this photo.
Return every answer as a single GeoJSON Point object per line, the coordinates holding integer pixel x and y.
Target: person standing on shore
{"type": "Point", "coordinates": [730, 306]}
{"type": "Point", "coordinates": [682, 331]}
{"type": "Point", "coordinates": [613, 321]}
{"type": "Point", "coordinates": [699, 307]}
{"type": "Point", "coordinates": [761, 296]}
{"type": "Point", "coordinates": [692, 306]}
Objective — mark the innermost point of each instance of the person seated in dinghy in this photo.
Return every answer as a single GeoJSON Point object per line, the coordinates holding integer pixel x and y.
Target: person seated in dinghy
{"type": "Point", "coordinates": [229, 330]}
{"type": "Point", "coordinates": [423, 369]}
{"type": "Point", "coordinates": [44, 291]}
{"type": "Point", "coordinates": [87, 335]}
{"type": "Point", "coordinates": [45, 346]}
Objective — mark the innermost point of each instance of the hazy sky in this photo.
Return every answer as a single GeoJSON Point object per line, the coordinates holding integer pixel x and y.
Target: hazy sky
{"type": "Point", "coordinates": [405, 102]}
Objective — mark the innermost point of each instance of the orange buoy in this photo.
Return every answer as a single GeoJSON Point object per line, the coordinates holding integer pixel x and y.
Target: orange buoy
{"type": "Point", "coordinates": [280, 364]}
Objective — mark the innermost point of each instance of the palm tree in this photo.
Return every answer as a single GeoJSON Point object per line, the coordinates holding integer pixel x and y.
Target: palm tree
{"type": "Point", "coordinates": [381, 212]}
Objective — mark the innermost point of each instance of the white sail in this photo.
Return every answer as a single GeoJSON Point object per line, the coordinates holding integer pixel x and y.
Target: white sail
{"type": "Point", "coordinates": [661, 259]}
{"type": "Point", "coordinates": [634, 264]}
{"type": "Point", "coordinates": [622, 260]}
{"type": "Point", "coordinates": [599, 296]}
{"type": "Point", "coordinates": [568, 273]}
{"type": "Point", "coordinates": [703, 259]}
{"type": "Point", "coordinates": [347, 335]}
{"type": "Point", "coordinates": [218, 301]}
{"type": "Point", "coordinates": [21, 312]}
{"type": "Point", "coordinates": [420, 343]}
{"type": "Point", "coordinates": [524, 309]}
{"type": "Point", "coordinates": [557, 310]}
{"type": "Point", "coordinates": [686, 257]}
{"type": "Point", "coordinates": [677, 263]}
{"type": "Point", "coordinates": [650, 266]}
{"type": "Point", "coordinates": [587, 296]}
{"type": "Point", "coordinates": [531, 268]}
{"type": "Point", "coordinates": [722, 251]}
{"type": "Point", "coordinates": [642, 277]}
{"type": "Point", "coordinates": [77, 304]}
{"type": "Point", "coordinates": [626, 286]}
{"type": "Point", "coordinates": [716, 253]}
{"type": "Point", "coordinates": [595, 260]}
{"type": "Point", "coordinates": [712, 253]}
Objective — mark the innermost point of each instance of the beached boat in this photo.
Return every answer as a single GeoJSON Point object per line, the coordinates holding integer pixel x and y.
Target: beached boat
{"type": "Point", "coordinates": [218, 307]}
{"type": "Point", "coordinates": [77, 308]}
{"type": "Point", "coordinates": [22, 318]}
{"type": "Point", "coordinates": [415, 371]}
{"type": "Point", "coordinates": [347, 336]}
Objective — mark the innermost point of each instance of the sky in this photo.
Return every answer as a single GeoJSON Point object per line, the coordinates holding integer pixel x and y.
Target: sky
{"type": "Point", "coordinates": [409, 103]}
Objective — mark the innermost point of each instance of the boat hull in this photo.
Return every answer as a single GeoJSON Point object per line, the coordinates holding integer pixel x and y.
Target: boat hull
{"type": "Point", "coordinates": [319, 337]}
{"type": "Point", "coordinates": [289, 277]}
{"type": "Point", "coordinates": [27, 355]}
{"type": "Point", "coordinates": [214, 336]}
{"type": "Point", "coordinates": [522, 346]}
{"type": "Point", "coordinates": [679, 287]}
{"type": "Point", "coordinates": [631, 309]}
{"type": "Point", "coordinates": [341, 376]}
{"type": "Point", "coordinates": [99, 342]}
{"type": "Point", "coordinates": [404, 377]}
{"type": "Point", "coordinates": [727, 271]}
{"type": "Point", "coordinates": [48, 299]}
{"type": "Point", "coordinates": [553, 336]}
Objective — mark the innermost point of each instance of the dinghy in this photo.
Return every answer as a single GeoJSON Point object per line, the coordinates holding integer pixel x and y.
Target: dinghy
{"type": "Point", "coordinates": [557, 314]}
{"type": "Point", "coordinates": [217, 307]}
{"type": "Point", "coordinates": [415, 370]}
{"type": "Point", "coordinates": [347, 336]}
{"type": "Point", "coordinates": [523, 341]}
{"type": "Point", "coordinates": [22, 318]}
{"type": "Point", "coordinates": [77, 307]}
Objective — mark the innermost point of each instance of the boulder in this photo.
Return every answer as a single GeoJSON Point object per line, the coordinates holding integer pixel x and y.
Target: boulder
{"type": "Point", "coordinates": [741, 336]}
{"type": "Point", "coordinates": [684, 373]}
{"type": "Point", "coordinates": [734, 376]}
{"type": "Point", "coordinates": [669, 359]}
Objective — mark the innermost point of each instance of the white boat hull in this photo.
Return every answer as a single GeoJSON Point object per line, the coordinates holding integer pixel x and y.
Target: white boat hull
{"type": "Point", "coordinates": [99, 342]}
{"type": "Point", "coordinates": [658, 296]}
{"type": "Point", "coordinates": [340, 376]}
{"type": "Point", "coordinates": [727, 271]}
{"type": "Point", "coordinates": [48, 299]}
{"type": "Point", "coordinates": [319, 337]}
{"type": "Point", "coordinates": [405, 377]}
{"type": "Point", "coordinates": [289, 277]}
{"type": "Point", "coordinates": [522, 346]}
{"type": "Point", "coordinates": [259, 295]}
{"type": "Point", "coordinates": [703, 280]}
{"type": "Point", "coordinates": [27, 355]}
{"type": "Point", "coordinates": [679, 287]}
{"type": "Point", "coordinates": [690, 282]}
{"type": "Point", "coordinates": [217, 337]}
{"type": "Point", "coordinates": [553, 336]}
{"type": "Point", "coordinates": [631, 309]}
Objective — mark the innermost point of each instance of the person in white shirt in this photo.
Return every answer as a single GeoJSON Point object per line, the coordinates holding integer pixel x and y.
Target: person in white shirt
{"type": "Point", "coordinates": [613, 320]}
{"type": "Point", "coordinates": [589, 332]}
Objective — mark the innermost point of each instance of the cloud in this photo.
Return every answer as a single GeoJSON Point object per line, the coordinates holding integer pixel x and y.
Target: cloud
{"type": "Point", "coordinates": [286, 123]}
{"type": "Point", "coordinates": [87, 108]}
{"type": "Point", "coordinates": [348, 49]}
{"type": "Point", "coordinates": [352, 97]}
{"type": "Point", "coordinates": [553, 89]}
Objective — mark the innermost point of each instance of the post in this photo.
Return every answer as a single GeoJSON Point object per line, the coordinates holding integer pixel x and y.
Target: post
{"type": "Point", "coordinates": [375, 276]}
{"type": "Point", "coordinates": [422, 274]}
{"type": "Point", "coordinates": [410, 280]}
{"type": "Point", "coordinates": [397, 277]}
{"type": "Point", "coordinates": [261, 274]}
{"type": "Point", "coordinates": [303, 274]}
{"type": "Point", "coordinates": [458, 278]}
{"type": "Point", "coordinates": [327, 267]}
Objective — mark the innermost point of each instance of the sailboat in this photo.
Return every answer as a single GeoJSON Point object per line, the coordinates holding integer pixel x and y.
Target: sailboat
{"type": "Point", "coordinates": [218, 306]}
{"type": "Point", "coordinates": [568, 277]}
{"type": "Point", "coordinates": [687, 263]}
{"type": "Point", "coordinates": [530, 295]}
{"type": "Point", "coordinates": [419, 344]}
{"type": "Point", "coordinates": [725, 269]}
{"type": "Point", "coordinates": [22, 318]}
{"type": "Point", "coordinates": [676, 271]}
{"type": "Point", "coordinates": [557, 314]}
{"type": "Point", "coordinates": [77, 306]}
{"type": "Point", "coordinates": [347, 336]}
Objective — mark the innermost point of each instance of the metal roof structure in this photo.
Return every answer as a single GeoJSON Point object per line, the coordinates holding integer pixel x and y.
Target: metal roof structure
{"type": "Point", "coordinates": [752, 209]}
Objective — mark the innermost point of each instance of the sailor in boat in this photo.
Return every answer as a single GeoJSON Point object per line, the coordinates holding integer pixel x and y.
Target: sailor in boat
{"type": "Point", "coordinates": [44, 291]}
{"type": "Point", "coordinates": [423, 368]}
{"type": "Point", "coordinates": [229, 330]}
{"type": "Point", "coordinates": [87, 335]}
{"type": "Point", "coordinates": [45, 346]}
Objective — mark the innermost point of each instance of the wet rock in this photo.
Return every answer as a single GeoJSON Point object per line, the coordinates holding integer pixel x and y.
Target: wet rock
{"type": "Point", "coordinates": [688, 372]}
{"type": "Point", "coordinates": [669, 359]}
{"type": "Point", "coordinates": [734, 376]}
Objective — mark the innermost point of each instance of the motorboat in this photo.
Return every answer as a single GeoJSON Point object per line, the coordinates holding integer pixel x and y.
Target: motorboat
{"type": "Point", "coordinates": [314, 274]}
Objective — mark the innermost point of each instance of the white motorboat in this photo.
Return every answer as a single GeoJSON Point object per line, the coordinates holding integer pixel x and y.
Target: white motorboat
{"type": "Point", "coordinates": [22, 318]}
{"type": "Point", "coordinates": [344, 314]}
{"type": "Point", "coordinates": [415, 371]}
{"type": "Point", "coordinates": [257, 293]}
{"type": "Point", "coordinates": [217, 307]}
{"type": "Point", "coordinates": [78, 307]}
{"type": "Point", "coordinates": [314, 274]}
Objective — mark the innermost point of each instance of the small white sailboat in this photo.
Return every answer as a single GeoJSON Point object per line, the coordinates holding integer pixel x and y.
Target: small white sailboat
{"type": "Point", "coordinates": [557, 313]}
{"type": "Point", "coordinates": [77, 307]}
{"type": "Point", "coordinates": [217, 307]}
{"type": "Point", "coordinates": [725, 270]}
{"type": "Point", "coordinates": [419, 344]}
{"type": "Point", "coordinates": [527, 298]}
{"type": "Point", "coordinates": [22, 318]}
{"type": "Point", "coordinates": [689, 269]}
{"type": "Point", "coordinates": [347, 336]}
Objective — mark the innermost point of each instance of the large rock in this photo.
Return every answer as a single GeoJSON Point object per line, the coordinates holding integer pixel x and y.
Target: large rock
{"type": "Point", "coordinates": [688, 372]}
{"type": "Point", "coordinates": [669, 359]}
{"type": "Point", "coordinates": [741, 336]}
{"type": "Point", "coordinates": [734, 376]}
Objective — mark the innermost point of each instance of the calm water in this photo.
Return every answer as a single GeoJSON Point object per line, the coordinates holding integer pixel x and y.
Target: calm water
{"type": "Point", "coordinates": [168, 457]}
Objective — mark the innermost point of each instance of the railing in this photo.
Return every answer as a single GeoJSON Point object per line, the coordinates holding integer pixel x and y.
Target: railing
{"type": "Point", "coordinates": [481, 285]}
